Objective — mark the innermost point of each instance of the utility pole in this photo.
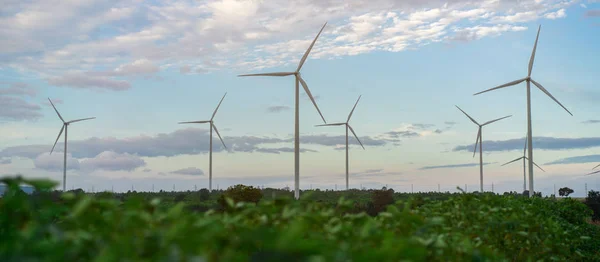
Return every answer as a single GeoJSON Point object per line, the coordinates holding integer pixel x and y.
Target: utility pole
{"type": "Point", "coordinates": [554, 190]}
{"type": "Point", "coordinates": [492, 187]}
{"type": "Point", "coordinates": [586, 191]}
{"type": "Point", "coordinates": [439, 191]}
{"type": "Point", "coordinates": [412, 189]}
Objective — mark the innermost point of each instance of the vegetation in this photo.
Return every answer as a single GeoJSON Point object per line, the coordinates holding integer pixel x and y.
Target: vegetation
{"type": "Point", "coordinates": [565, 191]}
{"type": "Point", "coordinates": [48, 226]}
{"type": "Point", "coordinates": [593, 202]}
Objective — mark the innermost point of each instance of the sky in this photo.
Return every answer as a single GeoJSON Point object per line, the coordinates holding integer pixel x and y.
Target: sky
{"type": "Point", "coordinates": [140, 67]}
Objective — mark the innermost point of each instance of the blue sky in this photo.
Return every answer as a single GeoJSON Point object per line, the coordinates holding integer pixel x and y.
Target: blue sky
{"type": "Point", "coordinates": [140, 67]}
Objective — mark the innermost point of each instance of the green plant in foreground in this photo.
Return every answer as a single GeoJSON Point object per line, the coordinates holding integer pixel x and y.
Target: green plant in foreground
{"type": "Point", "coordinates": [465, 227]}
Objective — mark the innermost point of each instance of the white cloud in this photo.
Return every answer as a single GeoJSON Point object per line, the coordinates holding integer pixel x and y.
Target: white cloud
{"type": "Point", "coordinates": [112, 161]}
{"type": "Point", "coordinates": [555, 15]}
{"type": "Point", "coordinates": [78, 41]}
{"type": "Point", "coordinates": [54, 161]}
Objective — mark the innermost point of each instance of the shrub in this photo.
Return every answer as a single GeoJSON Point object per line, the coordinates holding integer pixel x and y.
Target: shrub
{"type": "Point", "coordinates": [240, 193]}
{"type": "Point", "coordinates": [593, 202]}
{"type": "Point", "coordinates": [180, 197]}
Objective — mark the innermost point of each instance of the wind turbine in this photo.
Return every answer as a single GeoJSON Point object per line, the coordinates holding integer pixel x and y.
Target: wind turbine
{"type": "Point", "coordinates": [64, 127]}
{"type": "Point", "coordinates": [212, 126]}
{"type": "Point", "coordinates": [479, 140]}
{"type": "Point", "coordinates": [529, 80]}
{"type": "Point", "coordinates": [347, 127]}
{"type": "Point", "coordinates": [594, 171]}
{"type": "Point", "coordinates": [299, 80]}
{"type": "Point", "coordinates": [524, 173]}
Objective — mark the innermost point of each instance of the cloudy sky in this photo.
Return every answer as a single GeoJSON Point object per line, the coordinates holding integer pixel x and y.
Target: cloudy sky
{"type": "Point", "coordinates": [142, 66]}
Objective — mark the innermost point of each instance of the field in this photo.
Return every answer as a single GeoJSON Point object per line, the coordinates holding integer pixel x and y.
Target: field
{"type": "Point", "coordinates": [359, 225]}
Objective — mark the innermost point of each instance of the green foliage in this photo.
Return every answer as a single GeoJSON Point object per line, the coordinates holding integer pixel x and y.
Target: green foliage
{"type": "Point", "coordinates": [565, 191]}
{"type": "Point", "coordinates": [239, 193]}
{"type": "Point", "coordinates": [463, 227]}
{"type": "Point", "coordinates": [593, 202]}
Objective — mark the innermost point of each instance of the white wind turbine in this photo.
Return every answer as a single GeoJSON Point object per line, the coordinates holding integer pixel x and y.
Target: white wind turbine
{"type": "Point", "coordinates": [479, 140]}
{"type": "Point", "coordinates": [529, 80]}
{"type": "Point", "coordinates": [64, 127]}
{"type": "Point", "coordinates": [594, 171]}
{"type": "Point", "coordinates": [347, 127]}
{"type": "Point", "coordinates": [524, 157]}
{"type": "Point", "coordinates": [299, 80]}
{"type": "Point", "coordinates": [212, 126]}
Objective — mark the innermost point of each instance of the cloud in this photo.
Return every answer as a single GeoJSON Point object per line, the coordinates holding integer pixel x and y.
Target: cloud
{"type": "Point", "coordinates": [583, 5]}
{"type": "Point", "coordinates": [477, 32]}
{"type": "Point", "coordinates": [54, 162]}
{"type": "Point", "coordinates": [576, 160]}
{"type": "Point", "coordinates": [542, 143]}
{"type": "Point", "coordinates": [280, 150]}
{"type": "Point", "coordinates": [422, 126]}
{"type": "Point", "coordinates": [112, 161]}
{"type": "Point", "coordinates": [591, 121]}
{"type": "Point", "coordinates": [147, 170]}
{"type": "Point", "coordinates": [51, 39]}
{"type": "Point", "coordinates": [592, 13]}
{"type": "Point", "coordinates": [277, 109]}
{"type": "Point", "coordinates": [18, 89]}
{"type": "Point", "coordinates": [86, 80]}
{"type": "Point", "coordinates": [106, 160]}
{"type": "Point", "coordinates": [180, 142]}
{"type": "Point", "coordinates": [450, 123]}
{"type": "Point", "coordinates": [454, 166]}
{"type": "Point", "coordinates": [397, 134]}
{"type": "Point", "coordinates": [191, 171]}
{"type": "Point", "coordinates": [137, 67]}
{"type": "Point", "coordinates": [186, 69]}
{"type": "Point", "coordinates": [555, 15]}
{"type": "Point", "coordinates": [5, 161]}
{"type": "Point", "coordinates": [16, 108]}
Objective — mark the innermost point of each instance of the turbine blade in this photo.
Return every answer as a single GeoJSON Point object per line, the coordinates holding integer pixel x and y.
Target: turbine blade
{"type": "Point", "coordinates": [350, 115]}
{"type": "Point", "coordinates": [215, 112]}
{"type": "Point", "coordinates": [596, 166]}
{"type": "Point", "coordinates": [593, 173]}
{"type": "Point", "coordinates": [535, 164]}
{"type": "Point", "coordinates": [489, 122]}
{"type": "Point", "coordinates": [59, 133]}
{"type": "Point", "coordinates": [78, 120]}
{"type": "Point", "coordinates": [334, 124]}
{"type": "Point", "coordinates": [217, 131]}
{"type": "Point", "coordinates": [311, 97]}
{"type": "Point", "coordinates": [477, 141]}
{"type": "Point", "coordinates": [271, 74]}
{"type": "Point", "coordinates": [56, 110]}
{"type": "Point", "coordinates": [512, 161]}
{"type": "Point", "coordinates": [550, 95]}
{"type": "Point", "coordinates": [352, 130]}
{"type": "Point", "coordinates": [195, 122]}
{"type": "Point", "coordinates": [309, 48]}
{"type": "Point", "coordinates": [533, 52]}
{"type": "Point", "coordinates": [501, 86]}
{"type": "Point", "coordinates": [467, 115]}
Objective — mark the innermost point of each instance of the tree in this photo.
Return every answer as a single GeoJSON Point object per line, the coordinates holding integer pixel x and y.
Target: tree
{"type": "Point", "coordinates": [204, 194]}
{"type": "Point", "coordinates": [565, 191]}
{"type": "Point", "coordinates": [240, 193]}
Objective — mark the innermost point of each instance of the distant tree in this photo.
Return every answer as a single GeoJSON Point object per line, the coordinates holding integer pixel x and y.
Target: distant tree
{"type": "Point", "coordinates": [204, 194]}
{"type": "Point", "coordinates": [565, 191]}
{"type": "Point", "coordinates": [240, 193]}
{"type": "Point", "coordinates": [180, 197]}
{"type": "Point", "coordinates": [381, 199]}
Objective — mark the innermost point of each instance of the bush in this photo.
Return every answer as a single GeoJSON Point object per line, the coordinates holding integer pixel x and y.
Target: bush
{"type": "Point", "coordinates": [240, 193]}
{"type": "Point", "coordinates": [180, 197]}
{"type": "Point", "coordinates": [593, 202]}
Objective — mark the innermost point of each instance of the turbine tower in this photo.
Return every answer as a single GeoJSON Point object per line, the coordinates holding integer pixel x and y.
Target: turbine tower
{"type": "Point", "coordinates": [212, 126]}
{"type": "Point", "coordinates": [524, 157]}
{"type": "Point", "coordinates": [479, 140]}
{"type": "Point", "coordinates": [347, 127]}
{"type": "Point", "coordinates": [64, 127]}
{"type": "Point", "coordinates": [298, 80]}
{"type": "Point", "coordinates": [529, 80]}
